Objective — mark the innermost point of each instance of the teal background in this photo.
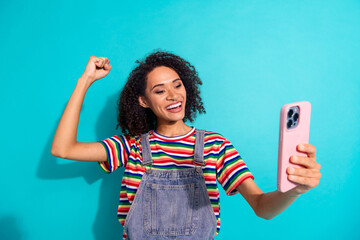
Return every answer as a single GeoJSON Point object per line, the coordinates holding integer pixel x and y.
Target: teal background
{"type": "Point", "coordinates": [253, 57]}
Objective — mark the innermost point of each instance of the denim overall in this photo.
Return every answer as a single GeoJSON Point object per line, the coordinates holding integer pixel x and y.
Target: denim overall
{"type": "Point", "coordinates": [171, 204]}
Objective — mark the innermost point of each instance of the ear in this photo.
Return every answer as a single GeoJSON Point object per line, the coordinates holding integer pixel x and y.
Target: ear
{"type": "Point", "coordinates": [143, 102]}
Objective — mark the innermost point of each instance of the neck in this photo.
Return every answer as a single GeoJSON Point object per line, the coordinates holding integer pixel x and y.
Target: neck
{"type": "Point", "coordinates": [172, 129]}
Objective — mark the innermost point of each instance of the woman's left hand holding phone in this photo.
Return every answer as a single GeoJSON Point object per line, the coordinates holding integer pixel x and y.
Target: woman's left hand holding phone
{"type": "Point", "coordinates": [307, 177]}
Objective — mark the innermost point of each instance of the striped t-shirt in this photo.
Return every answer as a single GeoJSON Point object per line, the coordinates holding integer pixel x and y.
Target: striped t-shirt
{"type": "Point", "coordinates": [223, 163]}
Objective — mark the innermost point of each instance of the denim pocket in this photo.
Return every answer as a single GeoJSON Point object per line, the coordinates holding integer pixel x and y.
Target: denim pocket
{"type": "Point", "coordinates": [171, 210]}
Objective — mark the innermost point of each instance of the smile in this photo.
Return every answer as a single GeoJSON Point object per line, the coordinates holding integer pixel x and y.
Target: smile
{"type": "Point", "coordinates": [174, 107]}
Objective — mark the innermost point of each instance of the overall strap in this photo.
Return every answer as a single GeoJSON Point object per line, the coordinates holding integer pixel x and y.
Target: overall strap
{"type": "Point", "coordinates": [199, 147]}
{"type": "Point", "coordinates": [146, 150]}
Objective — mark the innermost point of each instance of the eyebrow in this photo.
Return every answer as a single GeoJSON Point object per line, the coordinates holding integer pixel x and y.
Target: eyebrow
{"type": "Point", "coordinates": [161, 84]}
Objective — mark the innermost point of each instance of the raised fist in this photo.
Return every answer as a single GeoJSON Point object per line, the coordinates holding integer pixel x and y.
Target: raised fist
{"type": "Point", "coordinates": [97, 68]}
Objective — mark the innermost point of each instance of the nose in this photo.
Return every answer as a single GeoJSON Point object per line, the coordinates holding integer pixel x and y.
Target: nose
{"type": "Point", "coordinates": [172, 95]}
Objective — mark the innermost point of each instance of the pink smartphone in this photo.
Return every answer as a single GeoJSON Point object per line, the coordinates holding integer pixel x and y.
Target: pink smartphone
{"type": "Point", "coordinates": [294, 130]}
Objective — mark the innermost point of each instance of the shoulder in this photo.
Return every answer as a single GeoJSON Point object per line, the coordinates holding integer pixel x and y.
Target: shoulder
{"type": "Point", "coordinates": [214, 137]}
{"type": "Point", "coordinates": [127, 139]}
{"type": "Point", "coordinates": [212, 134]}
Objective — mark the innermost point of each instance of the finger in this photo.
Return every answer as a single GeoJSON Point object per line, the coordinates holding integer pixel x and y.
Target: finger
{"type": "Point", "coordinates": [97, 62]}
{"type": "Point", "coordinates": [107, 64]}
{"type": "Point", "coordinates": [309, 149]}
{"type": "Point", "coordinates": [107, 67]}
{"type": "Point", "coordinates": [303, 172]}
{"type": "Point", "coordinates": [305, 161]}
{"type": "Point", "coordinates": [309, 182]}
{"type": "Point", "coordinates": [100, 62]}
{"type": "Point", "coordinates": [105, 60]}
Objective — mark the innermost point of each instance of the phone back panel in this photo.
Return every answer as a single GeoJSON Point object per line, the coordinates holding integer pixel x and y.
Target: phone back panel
{"type": "Point", "coordinates": [289, 139]}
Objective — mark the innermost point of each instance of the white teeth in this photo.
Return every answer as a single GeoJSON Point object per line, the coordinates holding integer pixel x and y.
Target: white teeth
{"type": "Point", "coordinates": [174, 106]}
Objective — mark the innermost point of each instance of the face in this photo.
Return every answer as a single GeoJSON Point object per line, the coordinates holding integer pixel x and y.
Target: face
{"type": "Point", "coordinates": [165, 95]}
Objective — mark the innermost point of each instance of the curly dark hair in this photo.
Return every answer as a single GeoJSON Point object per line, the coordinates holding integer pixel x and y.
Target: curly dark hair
{"type": "Point", "coordinates": [134, 119]}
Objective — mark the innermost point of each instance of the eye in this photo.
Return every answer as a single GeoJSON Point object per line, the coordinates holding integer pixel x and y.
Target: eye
{"type": "Point", "coordinates": [159, 92]}
{"type": "Point", "coordinates": [179, 85]}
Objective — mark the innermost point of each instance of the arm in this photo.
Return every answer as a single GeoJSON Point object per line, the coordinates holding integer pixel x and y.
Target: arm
{"type": "Point", "coordinates": [65, 143]}
{"type": "Point", "coordinates": [268, 205]}
{"type": "Point", "coordinates": [265, 205]}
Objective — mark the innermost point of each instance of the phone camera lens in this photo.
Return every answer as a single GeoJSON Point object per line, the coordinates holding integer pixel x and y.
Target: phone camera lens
{"type": "Point", "coordinates": [290, 113]}
{"type": "Point", "coordinates": [289, 123]}
{"type": "Point", "coordinates": [296, 116]}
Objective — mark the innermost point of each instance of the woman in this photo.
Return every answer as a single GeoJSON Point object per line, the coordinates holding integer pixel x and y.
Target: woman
{"type": "Point", "coordinates": [169, 185]}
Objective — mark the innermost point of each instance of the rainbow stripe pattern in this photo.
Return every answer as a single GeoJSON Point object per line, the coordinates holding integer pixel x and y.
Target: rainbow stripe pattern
{"type": "Point", "coordinates": [223, 163]}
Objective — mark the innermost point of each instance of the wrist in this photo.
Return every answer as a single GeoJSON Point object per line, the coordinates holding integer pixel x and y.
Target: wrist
{"type": "Point", "coordinates": [292, 193]}
{"type": "Point", "coordinates": [84, 81]}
